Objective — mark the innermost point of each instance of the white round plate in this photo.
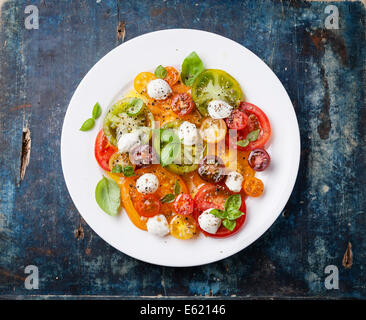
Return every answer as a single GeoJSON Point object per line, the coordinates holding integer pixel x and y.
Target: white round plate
{"type": "Point", "coordinates": [112, 76]}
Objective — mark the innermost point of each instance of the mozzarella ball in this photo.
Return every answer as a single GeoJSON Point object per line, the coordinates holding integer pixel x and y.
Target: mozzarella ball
{"type": "Point", "coordinates": [219, 109]}
{"type": "Point", "coordinates": [158, 89]}
{"type": "Point", "coordinates": [147, 183]}
{"type": "Point", "coordinates": [129, 140]}
{"type": "Point", "coordinates": [158, 225]}
{"type": "Point", "coordinates": [234, 181]}
{"type": "Point", "coordinates": [187, 133]}
{"type": "Point", "coordinates": [208, 222]}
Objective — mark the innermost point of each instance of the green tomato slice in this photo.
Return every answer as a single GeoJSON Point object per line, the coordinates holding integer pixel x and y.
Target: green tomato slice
{"type": "Point", "coordinates": [214, 84]}
{"type": "Point", "coordinates": [117, 122]}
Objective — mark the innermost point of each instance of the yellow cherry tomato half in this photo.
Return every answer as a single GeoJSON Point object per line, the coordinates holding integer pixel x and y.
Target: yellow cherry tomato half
{"type": "Point", "coordinates": [253, 187]}
{"type": "Point", "coordinates": [141, 81]}
{"type": "Point", "coordinates": [213, 130]}
{"type": "Point", "coordinates": [182, 227]}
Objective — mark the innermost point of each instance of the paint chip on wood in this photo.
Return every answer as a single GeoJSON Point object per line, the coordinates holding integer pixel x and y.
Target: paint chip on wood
{"type": "Point", "coordinates": [348, 257]}
{"type": "Point", "coordinates": [121, 31]}
{"type": "Point", "coordinates": [25, 154]}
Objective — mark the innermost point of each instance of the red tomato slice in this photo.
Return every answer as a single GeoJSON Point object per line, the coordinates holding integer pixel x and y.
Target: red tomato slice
{"type": "Point", "coordinates": [148, 205]}
{"type": "Point", "coordinates": [184, 204]}
{"type": "Point", "coordinates": [182, 104]}
{"type": "Point", "coordinates": [103, 150]}
{"type": "Point", "coordinates": [237, 120]}
{"type": "Point", "coordinates": [256, 118]}
{"type": "Point", "coordinates": [214, 196]}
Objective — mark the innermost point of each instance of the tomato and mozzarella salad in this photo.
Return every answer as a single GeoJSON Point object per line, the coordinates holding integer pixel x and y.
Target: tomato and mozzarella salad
{"type": "Point", "coordinates": [180, 152]}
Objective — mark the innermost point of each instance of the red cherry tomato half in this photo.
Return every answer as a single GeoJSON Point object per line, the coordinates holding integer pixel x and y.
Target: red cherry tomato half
{"type": "Point", "coordinates": [184, 204]}
{"type": "Point", "coordinates": [259, 159]}
{"type": "Point", "coordinates": [257, 119]}
{"type": "Point", "coordinates": [182, 104]}
{"type": "Point", "coordinates": [237, 120]}
{"type": "Point", "coordinates": [148, 205]}
{"type": "Point", "coordinates": [103, 150]}
{"type": "Point", "coordinates": [214, 196]}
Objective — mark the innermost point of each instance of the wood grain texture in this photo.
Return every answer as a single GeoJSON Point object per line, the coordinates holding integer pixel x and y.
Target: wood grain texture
{"type": "Point", "coordinates": [322, 70]}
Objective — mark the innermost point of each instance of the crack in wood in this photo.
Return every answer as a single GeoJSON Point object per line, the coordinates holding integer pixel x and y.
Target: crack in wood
{"type": "Point", "coordinates": [25, 154]}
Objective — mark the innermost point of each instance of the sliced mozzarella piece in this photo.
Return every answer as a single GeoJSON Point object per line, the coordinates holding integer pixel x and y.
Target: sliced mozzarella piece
{"type": "Point", "coordinates": [158, 89]}
{"type": "Point", "coordinates": [128, 140]}
{"type": "Point", "coordinates": [147, 183]}
{"type": "Point", "coordinates": [219, 109]}
{"type": "Point", "coordinates": [234, 181]}
{"type": "Point", "coordinates": [208, 222]}
{"type": "Point", "coordinates": [187, 133]}
{"type": "Point", "coordinates": [158, 225]}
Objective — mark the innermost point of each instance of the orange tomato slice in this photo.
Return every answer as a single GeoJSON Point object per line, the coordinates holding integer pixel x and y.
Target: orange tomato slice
{"type": "Point", "coordinates": [213, 130]}
{"type": "Point", "coordinates": [253, 187]}
{"type": "Point", "coordinates": [130, 195]}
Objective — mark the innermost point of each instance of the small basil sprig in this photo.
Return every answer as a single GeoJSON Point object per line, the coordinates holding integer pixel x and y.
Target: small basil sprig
{"type": "Point", "coordinates": [231, 212]}
{"type": "Point", "coordinates": [127, 171]}
{"type": "Point", "coordinates": [135, 107]}
{"type": "Point", "coordinates": [89, 123]}
{"type": "Point", "coordinates": [170, 197]}
{"type": "Point", "coordinates": [108, 196]}
{"type": "Point", "coordinates": [192, 66]}
{"type": "Point", "coordinates": [252, 136]}
{"type": "Point", "coordinates": [161, 72]}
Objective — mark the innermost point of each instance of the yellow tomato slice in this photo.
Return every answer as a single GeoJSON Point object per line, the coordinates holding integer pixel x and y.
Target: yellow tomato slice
{"type": "Point", "coordinates": [182, 227]}
{"type": "Point", "coordinates": [141, 81]}
{"type": "Point", "coordinates": [213, 130]}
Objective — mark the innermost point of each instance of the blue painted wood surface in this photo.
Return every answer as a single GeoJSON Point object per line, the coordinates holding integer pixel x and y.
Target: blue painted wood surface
{"type": "Point", "coordinates": [323, 72]}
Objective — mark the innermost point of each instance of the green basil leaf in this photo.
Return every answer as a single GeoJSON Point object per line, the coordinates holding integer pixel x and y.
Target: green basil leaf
{"type": "Point", "coordinates": [128, 171]}
{"type": "Point", "coordinates": [169, 135]}
{"type": "Point", "coordinates": [192, 66]}
{"type": "Point", "coordinates": [135, 107]}
{"type": "Point", "coordinates": [97, 110]}
{"type": "Point", "coordinates": [168, 198]}
{"type": "Point", "coordinates": [229, 224]}
{"type": "Point", "coordinates": [108, 196]}
{"type": "Point", "coordinates": [243, 143]}
{"type": "Point", "coordinates": [117, 169]}
{"type": "Point", "coordinates": [253, 135]}
{"type": "Point", "coordinates": [218, 213]}
{"type": "Point", "coordinates": [234, 214]}
{"type": "Point", "coordinates": [233, 202]}
{"type": "Point", "coordinates": [88, 125]}
{"type": "Point", "coordinates": [161, 72]}
{"type": "Point", "coordinates": [169, 153]}
{"type": "Point", "coordinates": [176, 188]}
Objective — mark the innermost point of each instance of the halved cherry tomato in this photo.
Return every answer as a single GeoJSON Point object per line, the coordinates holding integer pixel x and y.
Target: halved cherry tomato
{"type": "Point", "coordinates": [172, 77]}
{"type": "Point", "coordinates": [182, 104]}
{"type": "Point", "coordinates": [257, 119]}
{"type": "Point", "coordinates": [184, 204]}
{"type": "Point", "coordinates": [148, 205]}
{"type": "Point", "coordinates": [253, 187]}
{"type": "Point", "coordinates": [237, 120]}
{"type": "Point", "coordinates": [103, 150]}
{"type": "Point", "coordinates": [182, 227]}
{"type": "Point", "coordinates": [214, 196]}
{"type": "Point", "coordinates": [213, 130]}
{"type": "Point", "coordinates": [259, 159]}
{"type": "Point", "coordinates": [212, 169]}
{"type": "Point", "coordinates": [141, 81]}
